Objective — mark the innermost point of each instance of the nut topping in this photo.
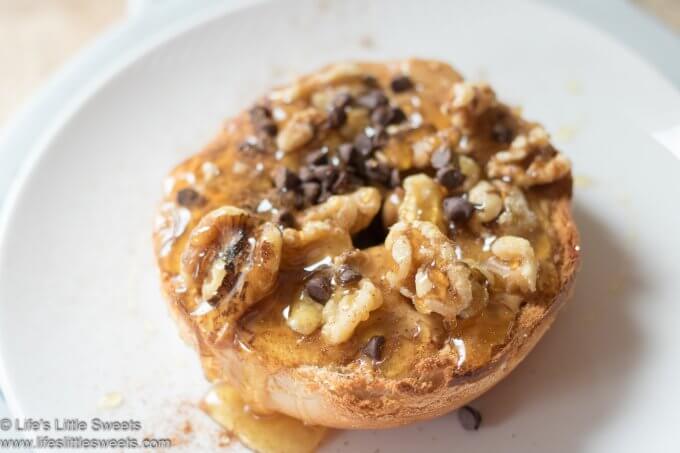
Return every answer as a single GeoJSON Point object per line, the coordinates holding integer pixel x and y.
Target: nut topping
{"type": "Point", "coordinates": [305, 316]}
{"type": "Point", "coordinates": [488, 201]}
{"type": "Point", "coordinates": [359, 185]}
{"type": "Point", "coordinates": [515, 262]}
{"type": "Point", "coordinates": [345, 311]}
{"type": "Point", "coordinates": [426, 270]}
{"type": "Point", "coordinates": [231, 261]}
{"type": "Point", "coordinates": [530, 161]}
{"type": "Point", "coordinates": [422, 201]}
{"type": "Point", "coordinates": [298, 131]}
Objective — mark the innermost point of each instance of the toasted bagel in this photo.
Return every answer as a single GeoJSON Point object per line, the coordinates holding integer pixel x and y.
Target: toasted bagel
{"type": "Point", "coordinates": [371, 245]}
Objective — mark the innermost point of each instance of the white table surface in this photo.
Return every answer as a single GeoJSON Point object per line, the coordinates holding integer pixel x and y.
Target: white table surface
{"type": "Point", "coordinates": [629, 24]}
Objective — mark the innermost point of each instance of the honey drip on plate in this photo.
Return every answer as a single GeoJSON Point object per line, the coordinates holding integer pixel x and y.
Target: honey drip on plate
{"type": "Point", "coordinates": [273, 433]}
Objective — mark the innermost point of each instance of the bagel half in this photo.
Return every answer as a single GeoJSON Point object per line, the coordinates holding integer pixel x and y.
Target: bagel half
{"type": "Point", "coordinates": [450, 211]}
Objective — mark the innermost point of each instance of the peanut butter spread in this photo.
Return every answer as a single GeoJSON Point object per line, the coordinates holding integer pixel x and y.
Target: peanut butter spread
{"type": "Point", "coordinates": [365, 215]}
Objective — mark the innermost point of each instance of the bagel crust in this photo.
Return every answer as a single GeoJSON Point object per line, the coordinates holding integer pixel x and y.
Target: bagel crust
{"type": "Point", "coordinates": [371, 245]}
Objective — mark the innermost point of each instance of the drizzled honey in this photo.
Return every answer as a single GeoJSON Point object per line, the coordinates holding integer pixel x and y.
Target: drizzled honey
{"type": "Point", "coordinates": [264, 433]}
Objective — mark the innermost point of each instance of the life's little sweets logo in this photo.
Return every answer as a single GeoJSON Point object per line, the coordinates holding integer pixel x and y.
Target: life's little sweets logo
{"type": "Point", "coordinates": [69, 424]}
{"type": "Point", "coordinates": [77, 433]}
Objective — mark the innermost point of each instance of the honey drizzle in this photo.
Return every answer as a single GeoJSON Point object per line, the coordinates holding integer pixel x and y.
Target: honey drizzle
{"type": "Point", "coordinates": [271, 433]}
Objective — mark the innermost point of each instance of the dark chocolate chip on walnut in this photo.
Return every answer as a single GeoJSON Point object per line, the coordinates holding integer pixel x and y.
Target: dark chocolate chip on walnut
{"type": "Point", "coordinates": [319, 287]}
{"type": "Point", "coordinates": [347, 275]}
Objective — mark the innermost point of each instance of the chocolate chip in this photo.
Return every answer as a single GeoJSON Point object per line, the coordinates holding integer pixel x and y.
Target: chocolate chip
{"type": "Point", "coordinates": [373, 99]}
{"type": "Point", "coordinates": [189, 198]}
{"type": "Point", "coordinates": [395, 178]}
{"type": "Point", "coordinates": [385, 115]}
{"type": "Point", "coordinates": [259, 113]}
{"type": "Point", "coordinates": [398, 116]}
{"type": "Point", "coordinates": [374, 347]}
{"type": "Point", "coordinates": [311, 191]}
{"type": "Point", "coordinates": [502, 133]}
{"type": "Point", "coordinates": [382, 115]}
{"type": "Point", "coordinates": [364, 144]}
{"type": "Point", "coordinates": [319, 288]}
{"type": "Point", "coordinates": [401, 83]}
{"type": "Point", "coordinates": [262, 121]}
{"type": "Point", "coordinates": [347, 153]}
{"type": "Point", "coordinates": [337, 117]}
{"type": "Point", "coordinates": [377, 172]}
{"type": "Point", "coordinates": [324, 195]}
{"type": "Point", "coordinates": [324, 173]}
{"type": "Point", "coordinates": [441, 157]}
{"type": "Point", "coordinates": [285, 218]}
{"type": "Point", "coordinates": [379, 137]}
{"type": "Point", "coordinates": [370, 81]}
{"type": "Point", "coordinates": [285, 179]}
{"type": "Point", "coordinates": [347, 275]}
{"type": "Point", "coordinates": [305, 174]}
{"type": "Point", "coordinates": [342, 183]}
{"type": "Point", "coordinates": [342, 100]}
{"type": "Point", "coordinates": [458, 209]}
{"type": "Point", "coordinates": [450, 177]}
{"type": "Point", "coordinates": [470, 418]}
{"type": "Point", "coordinates": [318, 157]}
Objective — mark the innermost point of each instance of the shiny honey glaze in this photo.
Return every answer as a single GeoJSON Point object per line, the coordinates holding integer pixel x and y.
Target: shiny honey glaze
{"type": "Point", "coordinates": [271, 433]}
{"type": "Point", "coordinates": [225, 176]}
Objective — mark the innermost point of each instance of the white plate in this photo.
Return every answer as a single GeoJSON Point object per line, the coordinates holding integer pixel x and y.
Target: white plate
{"type": "Point", "coordinates": [80, 309]}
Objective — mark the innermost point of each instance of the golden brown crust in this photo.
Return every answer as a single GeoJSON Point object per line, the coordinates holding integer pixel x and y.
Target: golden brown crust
{"type": "Point", "coordinates": [330, 396]}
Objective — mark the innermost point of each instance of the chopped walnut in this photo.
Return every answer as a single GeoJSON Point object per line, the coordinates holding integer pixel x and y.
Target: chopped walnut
{"type": "Point", "coordinates": [231, 260]}
{"type": "Point", "coordinates": [299, 130]}
{"type": "Point", "coordinates": [511, 301]}
{"type": "Point", "coordinates": [514, 261]}
{"type": "Point", "coordinates": [470, 169]}
{"type": "Point", "coordinates": [468, 101]}
{"type": "Point", "coordinates": [488, 200]}
{"type": "Point", "coordinates": [529, 161]}
{"type": "Point", "coordinates": [426, 269]}
{"type": "Point", "coordinates": [346, 309]}
{"type": "Point", "coordinates": [423, 149]}
{"type": "Point", "coordinates": [333, 75]}
{"type": "Point", "coordinates": [422, 201]}
{"type": "Point", "coordinates": [312, 243]}
{"type": "Point", "coordinates": [305, 315]}
{"type": "Point", "coordinates": [517, 218]}
{"type": "Point", "coordinates": [352, 212]}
